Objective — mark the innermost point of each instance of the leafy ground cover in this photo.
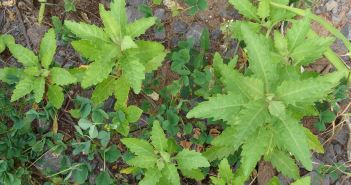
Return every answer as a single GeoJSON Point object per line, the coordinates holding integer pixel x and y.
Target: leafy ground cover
{"type": "Point", "coordinates": [154, 100]}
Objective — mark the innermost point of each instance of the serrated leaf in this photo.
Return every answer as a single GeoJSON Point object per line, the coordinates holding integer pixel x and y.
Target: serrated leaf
{"type": "Point", "coordinates": [313, 142]}
{"type": "Point", "coordinates": [274, 181]}
{"type": "Point", "coordinates": [259, 58]}
{"type": "Point", "coordinates": [118, 11]}
{"type": "Point", "coordinates": [32, 71]}
{"type": "Point", "coordinates": [205, 38]}
{"type": "Point", "coordinates": [143, 161]}
{"type": "Point", "coordinates": [217, 181]}
{"type": "Point", "coordinates": [121, 89]}
{"type": "Point", "coordinates": [22, 88]}
{"type": "Point", "coordinates": [103, 90]}
{"type": "Point", "coordinates": [60, 76]}
{"type": "Point", "coordinates": [238, 33]}
{"type": "Point", "coordinates": [152, 176]}
{"type": "Point", "coordinates": [158, 137]}
{"type": "Point", "coordinates": [263, 9]}
{"type": "Point", "coordinates": [133, 113]}
{"type": "Point", "coordinates": [112, 28]}
{"type": "Point", "coordinates": [217, 64]}
{"type": "Point", "coordinates": [280, 43]}
{"type": "Point", "coordinates": [97, 72]}
{"type": "Point", "coordinates": [190, 159]}
{"type": "Point", "coordinates": [132, 70]}
{"type": "Point", "coordinates": [2, 45]}
{"type": "Point", "coordinates": [85, 31]}
{"type": "Point", "coordinates": [47, 48]}
{"type": "Point", "coordinates": [154, 63]}
{"type": "Point", "coordinates": [55, 95]}
{"type": "Point", "coordinates": [302, 181]}
{"type": "Point", "coordinates": [254, 87]}
{"type": "Point", "coordinates": [297, 34]}
{"type": "Point", "coordinates": [228, 134]}
{"type": "Point", "coordinates": [128, 43]}
{"type": "Point", "coordinates": [220, 107]}
{"type": "Point", "coordinates": [253, 149]}
{"type": "Point", "coordinates": [24, 55]}
{"type": "Point", "coordinates": [139, 147]}
{"type": "Point", "coordinates": [217, 152]}
{"type": "Point", "coordinates": [277, 108]}
{"type": "Point", "coordinates": [192, 173]}
{"type": "Point", "coordinates": [139, 27]}
{"type": "Point", "coordinates": [295, 140]}
{"type": "Point", "coordinates": [147, 51]}
{"type": "Point", "coordinates": [170, 171]}
{"type": "Point", "coordinates": [87, 49]}
{"type": "Point", "coordinates": [8, 39]}
{"type": "Point", "coordinates": [285, 164]}
{"type": "Point", "coordinates": [245, 8]}
{"type": "Point", "coordinates": [303, 52]}
{"type": "Point", "coordinates": [172, 146]}
{"type": "Point", "coordinates": [225, 172]}
{"type": "Point", "coordinates": [39, 89]}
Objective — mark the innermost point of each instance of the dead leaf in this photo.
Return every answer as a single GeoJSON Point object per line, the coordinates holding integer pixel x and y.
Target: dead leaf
{"type": "Point", "coordinates": [84, 66]}
{"type": "Point", "coordinates": [35, 107]}
{"type": "Point", "coordinates": [179, 135]}
{"type": "Point", "coordinates": [199, 148]}
{"type": "Point", "coordinates": [197, 132]}
{"type": "Point", "coordinates": [85, 18]}
{"type": "Point", "coordinates": [186, 144]}
{"type": "Point", "coordinates": [171, 3]}
{"type": "Point", "coordinates": [55, 126]}
{"type": "Point", "coordinates": [214, 133]}
{"type": "Point", "coordinates": [154, 96]}
{"type": "Point", "coordinates": [8, 3]}
{"type": "Point", "coordinates": [11, 14]}
{"type": "Point", "coordinates": [119, 146]}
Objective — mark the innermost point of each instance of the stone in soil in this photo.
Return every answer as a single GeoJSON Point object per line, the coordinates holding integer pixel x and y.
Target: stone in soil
{"type": "Point", "coordinates": [179, 26]}
{"type": "Point", "coordinates": [216, 34]}
{"type": "Point", "coordinates": [35, 33]}
{"type": "Point", "coordinates": [160, 14]}
{"type": "Point", "coordinates": [141, 122]}
{"type": "Point", "coordinates": [235, 13]}
{"type": "Point", "coordinates": [160, 35]}
{"type": "Point", "coordinates": [195, 32]}
{"type": "Point", "coordinates": [59, 59]}
{"type": "Point", "coordinates": [342, 136]}
{"type": "Point", "coordinates": [133, 14]}
{"type": "Point", "coordinates": [174, 40]}
{"type": "Point", "coordinates": [331, 5]}
{"type": "Point", "coordinates": [348, 15]}
{"type": "Point", "coordinates": [137, 3]}
{"type": "Point", "coordinates": [59, 43]}
{"type": "Point", "coordinates": [329, 155]}
{"type": "Point", "coordinates": [233, 43]}
{"type": "Point", "coordinates": [283, 181]}
{"type": "Point", "coordinates": [222, 12]}
{"type": "Point", "coordinates": [336, 18]}
{"type": "Point", "coordinates": [338, 149]}
{"type": "Point", "coordinates": [346, 31]}
{"type": "Point", "coordinates": [41, 123]}
{"type": "Point", "coordinates": [53, 159]}
{"type": "Point", "coordinates": [109, 104]}
{"type": "Point", "coordinates": [319, 181]}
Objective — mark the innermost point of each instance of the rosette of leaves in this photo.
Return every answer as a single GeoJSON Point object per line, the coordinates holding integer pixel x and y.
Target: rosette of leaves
{"type": "Point", "coordinates": [41, 79]}
{"type": "Point", "coordinates": [264, 105]}
{"type": "Point", "coordinates": [114, 52]}
{"type": "Point", "coordinates": [160, 168]}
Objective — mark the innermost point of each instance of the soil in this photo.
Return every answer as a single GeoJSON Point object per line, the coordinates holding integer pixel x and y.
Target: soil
{"type": "Point", "coordinates": [88, 11]}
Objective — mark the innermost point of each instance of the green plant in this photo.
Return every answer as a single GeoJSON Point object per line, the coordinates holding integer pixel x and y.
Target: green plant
{"type": "Point", "coordinates": [69, 5]}
{"type": "Point", "coordinates": [40, 80]}
{"type": "Point", "coordinates": [115, 42]}
{"type": "Point", "coordinates": [62, 32]}
{"type": "Point", "coordinates": [195, 6]}
{"type": "Point", "coordinates": [6, 40]}
{"type": "Point", "coordinates": [146, 10]}
{"type": "Point", "coordinates": [264, 105]}
{"type": "Point", "coordinates": [160, 168]}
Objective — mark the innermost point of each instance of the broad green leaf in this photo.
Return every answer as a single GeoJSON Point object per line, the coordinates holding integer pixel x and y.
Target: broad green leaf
{"type": "Point", "coordinates": [133, 70]}
{"type": "Point", "coordinates": [143, 161]}
{"type": "Point", "coordinates": [32, 71]}
{"type": "Point", "coordinates": [22, 88]}
{"type": "Point", "coordinates": [8, 39]}
{"type": "Point", "coordinates": [238, 33]}
{"type": "Point", "coordinates": [172, 146]}
{"type": "Point", "coordinates": [158, 137]}
{"type": "Point", "coordinates": [139, 147]}
{"type": "Point", "coordinates": [85, 31]}
{"type": "Point", "coordinates": [154, 63]}
{"type": "Point", "coordinates": [225, 172]}
{"type": "Point", "coordinates": [97, 72]}
{"type": "Point", "coordinates": [78, 73]}
{"type": "Point", "coordinates": [55, 95]}
{"type": "Point", "coordinates": [93, 132]}
{"type": "Point", "coordinates": [274, 181]}
{"type": "Point", "coordinates": [123, 128]}
{"type": "Point", "coordinates": [47, 48]}
{"type": "Point", "coordinates": [133, 113]}
{"type": "Point", "coordinates": [253, 149]}
{"type": "Point", "coordinates": [313, 142]}
{"type": "Point", "coordinates": [112, 154]}
{"type": "Point", "coordinates": [300, 110]}
{"type": "Point", "coordinates": [295, 140]}
{"type": "Point", "coordinates": [204, 38]}
{"type": "Point", "coordinates": [2, 45]}
{"type": "Point", "coordinates": [202, 4]}
{"type": "Point", "coordinates": [121, 89]}
{"type": "Point", "coordinates": [103, 90]}
{"type": "Point", "coordinates": [297, 34]}
{"type": "Point", "coordinates": [259, 58]}
{"type": "Point", "coordinates": [80, 174]}
{"type": "Point", "coordinates": [118, 11]}
{"type": "Point", "coordinates": [280, 43]}
{"type": "Point", "coordinates": [229, 134]}
{"type": "Point", "coordinates": [190, 159]}
{"type": "Point", "coordinates": [245, 8]}
{"type": "Point", "coordinates": [218, 152]}
{"type": "Point", "coordinates": [217, 64]}
{"type": "Point", "coordinates": [170, 171]}
{"type": "Point", "coordinates": [263, 9]}
{"type": "Point", "coordinates": [87, 49]}
{"type": "Point", "coordinates": [148, 51]}
{"type": "Point", "coordinates": [192, 173]}
{"type": "Point", "coordinates": [217, 181]}
{"type": "Point", "coordinates": [285, 164]}
{"type": "Point", "coordinates": [277, 108]}
{"type": "Point", "coordinates": [128, 43]}
{"type": "Point", "coordinates": [103, 179]}
{"type": "Point", "coordinates": [254, 115]}
{"type": "Point", "coordinates": [139, 27]}
{"type": "Point", "coordinates": [39, 89]}
{"type": "Point", "coordinates": [24, 55]}
{"type": "Point", "coordinates": [220, 107]}
{"type": "Point", "coordinates": [60, 76]}
{"type": "Point", "coordinates": [112, 28]}
{"type": "Point", "coordinates": [152, 176]}
{"type": "Point", "coordinates": [303, 181]}
{"type": "Point", "coordinates": [254, 87]}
